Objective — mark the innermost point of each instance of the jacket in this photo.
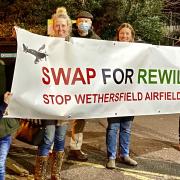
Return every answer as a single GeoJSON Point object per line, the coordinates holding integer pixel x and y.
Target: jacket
{"type": "Point", "coordinates": [7, 125]}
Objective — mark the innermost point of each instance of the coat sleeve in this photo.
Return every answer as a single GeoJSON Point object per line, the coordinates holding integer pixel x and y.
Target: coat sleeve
{"type": "Point", "coordinates": [3, 106]}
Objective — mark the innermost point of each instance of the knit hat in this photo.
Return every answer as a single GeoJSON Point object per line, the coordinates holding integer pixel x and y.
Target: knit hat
{"type": "Point", "coordinates": [84, 14]}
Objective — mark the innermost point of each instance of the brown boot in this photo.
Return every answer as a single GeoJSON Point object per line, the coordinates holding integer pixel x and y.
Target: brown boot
{"type": "Point", "coordinates": [56, 165]}
{"type": "Point", "coordinates": [41, 168]}
{"type": "Point", "coordinates": [77, 155]}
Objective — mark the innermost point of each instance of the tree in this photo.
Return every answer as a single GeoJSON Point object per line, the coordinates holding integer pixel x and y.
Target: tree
{"type": "Point", "coordinates": [145, 15]}
{"type": "Point", "coordinates": [33, 14]}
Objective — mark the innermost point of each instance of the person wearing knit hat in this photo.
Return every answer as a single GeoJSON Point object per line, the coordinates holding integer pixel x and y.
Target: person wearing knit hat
{"type": "Point", "coordinates": [83, 29]}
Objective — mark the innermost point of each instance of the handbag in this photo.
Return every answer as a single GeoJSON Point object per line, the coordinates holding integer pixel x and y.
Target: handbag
{"type": "Point", "coordinates": [31, 132]}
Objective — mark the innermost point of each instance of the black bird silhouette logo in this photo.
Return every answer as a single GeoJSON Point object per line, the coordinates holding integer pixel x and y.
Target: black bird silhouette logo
{"type": "Point", "coordinates": [38, 54]}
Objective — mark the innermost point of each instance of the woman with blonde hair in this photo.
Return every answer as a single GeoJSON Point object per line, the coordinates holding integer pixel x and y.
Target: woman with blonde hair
{"type": "Point", "coordinates": [62, 24]}
{"type": "Point", "coordinates": [125, 33]}
{"type": "Point", "coordinates": [55, 130]}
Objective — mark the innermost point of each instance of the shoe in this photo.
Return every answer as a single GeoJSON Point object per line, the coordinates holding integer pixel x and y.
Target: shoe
{"type": "Point", "coordinates": [77, 155]}
{"type": "Point", "coordinates": [127, 160]}
{"type": "Point", "coordinates": [111, 164]}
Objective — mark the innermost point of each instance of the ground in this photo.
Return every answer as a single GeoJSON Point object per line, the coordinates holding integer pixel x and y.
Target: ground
{"type": "Point", "coordinates": [153, 144]}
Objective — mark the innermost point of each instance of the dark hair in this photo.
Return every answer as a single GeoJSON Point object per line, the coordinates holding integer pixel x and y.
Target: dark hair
{"type": "Point", "coordinates": [125, 25]}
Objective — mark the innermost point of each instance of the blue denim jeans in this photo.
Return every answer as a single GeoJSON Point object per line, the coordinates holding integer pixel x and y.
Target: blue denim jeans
{"type": "Point", "coordinates": [123, 124]}
{"type": "Point", "coordinates": [53, 134]}
{"type": "Point", "coordinates": [5, 143]}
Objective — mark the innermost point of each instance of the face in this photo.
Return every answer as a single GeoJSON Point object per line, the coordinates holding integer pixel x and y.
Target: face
{"type": "Point", "coordinates": [84, 22]}
{"type": "Point", "coordinates": [60, 27]}
{"type": "Point", "coordinates": [125, 35]}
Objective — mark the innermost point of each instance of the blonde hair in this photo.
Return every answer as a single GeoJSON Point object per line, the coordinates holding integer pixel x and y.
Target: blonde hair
{"type": "Point", "coordinates": [61, 12]}
{"type": "Point", "coordinates": [125, 25]}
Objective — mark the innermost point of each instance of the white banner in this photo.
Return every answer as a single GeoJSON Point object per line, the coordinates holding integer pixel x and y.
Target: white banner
{"type": "Point", "coordinates": [84, 78]}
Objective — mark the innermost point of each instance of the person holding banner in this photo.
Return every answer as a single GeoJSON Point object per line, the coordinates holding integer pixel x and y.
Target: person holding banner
{"type": "Point", "coordinates": [125, 33]}
{"type": "Point", "coordinates": [7, 127]}
{"type": "Point", "coordinates": [83, 29]}
{"type": "Point", "coordinates": [55, 130]}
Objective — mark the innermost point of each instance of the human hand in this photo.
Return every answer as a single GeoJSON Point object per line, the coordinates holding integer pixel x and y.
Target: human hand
{"type": "Point", "coordinates": [7, 96]}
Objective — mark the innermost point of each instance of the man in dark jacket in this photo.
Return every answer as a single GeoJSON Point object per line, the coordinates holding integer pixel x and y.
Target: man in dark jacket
{"type": "Point", "coordinates": [83, 29]}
